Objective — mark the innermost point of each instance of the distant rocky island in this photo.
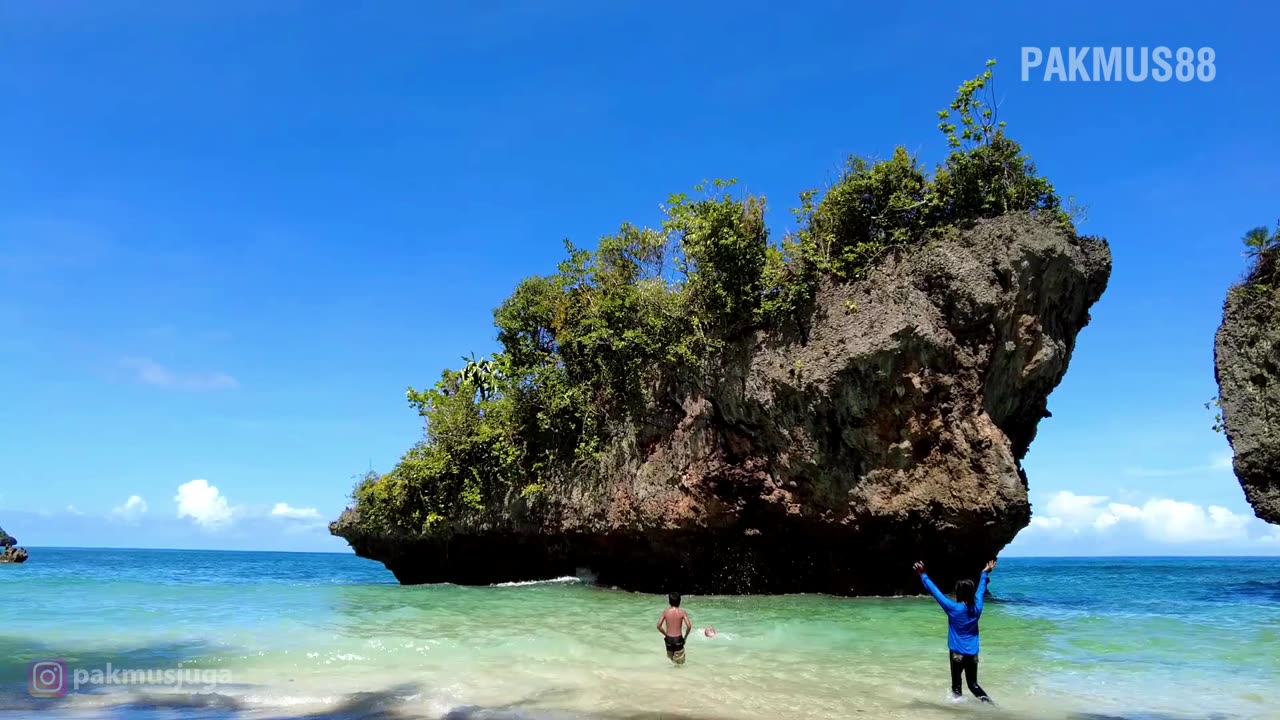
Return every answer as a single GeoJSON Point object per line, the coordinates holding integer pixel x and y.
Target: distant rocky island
{"type": "Point", "coordinates": [1247, 365]}
{"type": "Point", "coordinates": [9, 552]}
{"type": "Point", "coordinates": [702, 407]}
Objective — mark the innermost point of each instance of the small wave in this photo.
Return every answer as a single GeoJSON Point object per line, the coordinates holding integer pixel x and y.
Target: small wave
{"type": "Point", "coordinates": [1258, 585]}
{"type": "Point", "coordinates": [1251, 589]}
{"type": "Point", "coordinates": [566, 580]}
{"type": "Point", "coordinates": [289, 700]}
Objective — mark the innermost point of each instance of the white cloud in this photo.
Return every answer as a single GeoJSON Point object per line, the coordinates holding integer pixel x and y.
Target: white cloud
{"type": "Point", "coordinates": [1158, 519]}
{"type": "Point", "coordinates": [149, 372]}
{"type": "Point", "coordinates": [74, 510]}
{"type": "Point", "coordinates": [1066, 509]}
{"type": "Point", "coordinates": [1174, 521]}
{"type": "Point", "coordinates": [286, 511]}
{"type": "Point", "coordinates": [202, 502]}
{"type": "Point", "coordinates": [132, 509]}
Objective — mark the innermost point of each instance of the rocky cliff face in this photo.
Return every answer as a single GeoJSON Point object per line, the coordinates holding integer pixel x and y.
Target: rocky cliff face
{"type": "Point", "coordinates": [1247, 363]}
{"type": "Point", "coordinates": [893, 431]}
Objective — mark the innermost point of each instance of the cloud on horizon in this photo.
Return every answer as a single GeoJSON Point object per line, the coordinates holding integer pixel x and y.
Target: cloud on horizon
{"type": "Point", "coordinates": [203, 503]}
{"type": "Point", "coordinates": [1065, 522]}
{"type": "Point", "coordinates": [211, 510]}
{"type": "Point", "coordinates": [149, 372]}
{"type": "Point", "coordinates": [287, 511]}
{"type": "Point", "coordinates": [132, 509]}
{"type": "Point", "coordinates": [1158, 520]}
{"type": "Point", "coordinates": [162, 530]}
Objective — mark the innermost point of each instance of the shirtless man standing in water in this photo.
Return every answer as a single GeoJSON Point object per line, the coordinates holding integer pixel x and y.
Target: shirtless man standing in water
{"type": "Point", "coordinates": [676, 630]}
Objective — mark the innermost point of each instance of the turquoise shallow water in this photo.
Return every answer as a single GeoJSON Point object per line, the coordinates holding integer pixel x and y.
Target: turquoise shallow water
{"type": "Point", "coordinates": [328, 637]}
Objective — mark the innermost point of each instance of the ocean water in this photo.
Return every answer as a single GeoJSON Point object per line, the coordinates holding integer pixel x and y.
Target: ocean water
{"type": "Point", "coordinates": [332, 637]}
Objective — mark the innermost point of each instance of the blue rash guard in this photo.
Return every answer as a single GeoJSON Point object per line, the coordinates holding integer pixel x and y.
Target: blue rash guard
{"type": "Point", "coordinates": [962, 625]}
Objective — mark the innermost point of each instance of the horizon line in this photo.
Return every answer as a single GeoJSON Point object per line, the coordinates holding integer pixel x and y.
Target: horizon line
{"type": "Point", "coordinates": [182, 549]}
{"type": "Point", "coordinates": [350, 552]}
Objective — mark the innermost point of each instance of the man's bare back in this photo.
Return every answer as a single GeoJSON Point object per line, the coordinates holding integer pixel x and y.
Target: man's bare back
{"type": "Point", "coordinates": [675, 626]}
{"type": "Point", "coordinates": [674, 620]}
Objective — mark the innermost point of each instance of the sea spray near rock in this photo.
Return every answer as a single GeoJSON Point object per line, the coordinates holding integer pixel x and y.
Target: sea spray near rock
{"type": "Point", "coordinates": [566, 580]}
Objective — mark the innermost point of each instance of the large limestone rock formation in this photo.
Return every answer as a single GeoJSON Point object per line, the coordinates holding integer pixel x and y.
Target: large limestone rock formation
{"type": "Point", "coordinates": [892, 432]}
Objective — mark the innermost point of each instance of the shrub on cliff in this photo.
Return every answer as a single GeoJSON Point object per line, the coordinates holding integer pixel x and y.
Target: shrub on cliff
{"type": "Point", "coordinates": [1262, 247]}
{"type": "Point", "coordinates": [876, 208]}
{"type": "Point", "coordinates": [616, 333]}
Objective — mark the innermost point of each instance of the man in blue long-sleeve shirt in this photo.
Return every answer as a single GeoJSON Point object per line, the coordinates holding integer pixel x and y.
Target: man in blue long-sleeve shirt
{"type": "Point", "coordinates": [962, 627]}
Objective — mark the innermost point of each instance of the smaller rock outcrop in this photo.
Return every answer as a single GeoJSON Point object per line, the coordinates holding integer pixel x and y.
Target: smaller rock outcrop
{"type": "Point", "coordinates": [1247, 365]}
{"type": "Point", "coordinates": [13, 555]}
{"type": "Point", "coordinates": [9, 553]}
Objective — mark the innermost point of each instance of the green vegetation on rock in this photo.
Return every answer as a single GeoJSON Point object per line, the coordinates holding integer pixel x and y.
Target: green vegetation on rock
{"type": "Point", "coordinates": [648, 317]}
{"type": "Point", "coordinates": [1262, 247]}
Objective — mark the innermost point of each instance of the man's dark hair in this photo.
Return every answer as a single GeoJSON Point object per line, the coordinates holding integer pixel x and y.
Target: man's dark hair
{"type": "Point", "coordinates": [674, 599]}
{"type": "Point", "coordinates": [965, 594]}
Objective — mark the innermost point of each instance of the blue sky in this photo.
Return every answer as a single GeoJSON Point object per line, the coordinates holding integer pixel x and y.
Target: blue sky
{"type": "Point", "coordinates": [232, 233]}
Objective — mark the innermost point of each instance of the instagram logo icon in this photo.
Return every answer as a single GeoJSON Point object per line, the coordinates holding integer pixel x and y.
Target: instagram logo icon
{"type": "Point", "coordinates": [48, 678]}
